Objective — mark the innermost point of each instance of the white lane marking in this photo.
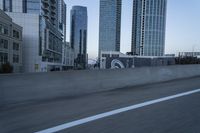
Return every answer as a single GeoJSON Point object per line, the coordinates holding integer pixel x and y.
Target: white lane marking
{"type": "Point", "coordinates": [114, 112]}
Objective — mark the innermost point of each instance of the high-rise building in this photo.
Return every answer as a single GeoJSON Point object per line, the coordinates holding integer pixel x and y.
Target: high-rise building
{"type": "Point", "coordinates": [148, 31]}
{"type": "Point", "coordinates": [10, 42]}
{"type": "Point", "coordinates": [110, 25]}
{"type": "Point", "coordinates": [44, 31]}
{"type": "Point", "coordinates": [78, 35]}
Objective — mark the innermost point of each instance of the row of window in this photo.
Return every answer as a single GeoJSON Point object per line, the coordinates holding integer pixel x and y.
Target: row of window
{"type": "Point", "coordinates": [52, 57]}
{"type": "Point", "coordinates": [4, 58]}
{"type": "Point", "coordinates": [4, 30]}
{"type": "Point", "coordinates": [55, 43]}
{"type": "Point", "coordinates": [30, 6]}
{"type": "Point", "coordinates": [4, 45]}
{"type": "Point", "coordinates": [156, 7]}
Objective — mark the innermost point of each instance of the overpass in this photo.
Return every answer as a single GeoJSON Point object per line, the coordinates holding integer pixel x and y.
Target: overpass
{"type": "Point", "coordinates": [157, 99]}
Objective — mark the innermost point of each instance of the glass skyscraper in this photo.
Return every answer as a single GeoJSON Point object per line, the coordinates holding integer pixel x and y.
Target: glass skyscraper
{"type": "Point", "coordinates": [78, 35]}
{"type": "Point", "coordinates": [44, 31]}
{"type": "Point", "coordinates": [148, 29]}
{"type": "Point", "coordinates": [110, 25]}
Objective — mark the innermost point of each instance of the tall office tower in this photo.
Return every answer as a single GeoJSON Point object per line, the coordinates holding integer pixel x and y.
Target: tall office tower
{"type": "Point", "coordinates": [78, 35]}
{"type": "Point", "coordinates": [44, 31]}
{"type": "Point", "coordinates": [110, 25]}
{"type": "Point", "coordinates": [149, 22]}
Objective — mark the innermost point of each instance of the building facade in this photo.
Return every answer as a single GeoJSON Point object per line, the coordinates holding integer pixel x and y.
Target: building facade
{"type": "Point", "coordinates": [78, 36]}
{"type": "Point", "coordinates": [110, 25]}
{"type": "Point", "coordinates": [10, 42]}
{"type": "Point", "coordinates": [116, 60]}
{"type": "Point", "coordinates": [68, 56]}
{"type": "Point", "coordinates": [189, 54]}
{"type": "Point", "coordinates": [148, 27]}
{"type": "Point", "coordinates": [44, 31]}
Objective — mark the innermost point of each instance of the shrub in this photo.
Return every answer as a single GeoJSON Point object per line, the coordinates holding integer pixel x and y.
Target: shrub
{"type": "Point", "coordinates": [6, 68]}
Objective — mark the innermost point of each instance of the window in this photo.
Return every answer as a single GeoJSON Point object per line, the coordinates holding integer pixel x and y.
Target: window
{"type": "Point", "coordinates": [106, 55]}
{"type": "Point", "coordinates": [15, 46]}
{"type": "Point", "coordinates": [1, 43]}
{"type": "Point", "coordinates": [24, 6]}
{"type": "Point", "coordinates": [1, 29]}
{"type": "Point", "coordinates": [115, 55]}
{"type": "Point", "coordinates": [4, 44]}
{"type": "Point", "coordinates": [3, 57]}
{"type": "Point", "coordinates": [15, 34]}
{"type": "Point", "coordinates": [5, 30]}
{"type": "Point", "coordinates": [15, 58]}
{"type": "Point", "coordinates": [7, 5]}
{"type": "Point", "coordinates": [33, 6]}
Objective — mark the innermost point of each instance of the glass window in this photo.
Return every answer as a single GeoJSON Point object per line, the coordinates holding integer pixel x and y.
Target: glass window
{"type": "Point", "coordinates": [15, 58]}
{"type": "Point", "coordinates": [33, 6]}
{"type": "Point", "coordinates": [15, 34]}
{"type": "Point", "coordinates": [1, 29]}
{"type": "Point", "coordinates": [16, 46]}
{"type": "Point", "coordinates": [24, 6]}
{"type": "Point", "coordinates": [4, 44]}
{"type": "Point", "coordinates": [5, 31]}
{"type": "Point", "coordinates": [3, 57]}
{"type": "Point", "coordinates": [1, 43]}
{"type": "Point", "coordinates": [7, 5]}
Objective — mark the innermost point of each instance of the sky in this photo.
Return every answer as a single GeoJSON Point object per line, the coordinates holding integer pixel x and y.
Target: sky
{"type": "Point", "coordinates": [182, 29]}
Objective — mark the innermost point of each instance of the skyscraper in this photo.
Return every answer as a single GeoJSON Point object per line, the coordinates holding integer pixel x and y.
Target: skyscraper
{"type": "Point", "coordinates": [148, 29]}
{"type": "Point", "coordinates": [78, 35]}
{"type": "Point", "coordinates": [44, 31]}
{"type": "Point", "coordinates": [110, 25]}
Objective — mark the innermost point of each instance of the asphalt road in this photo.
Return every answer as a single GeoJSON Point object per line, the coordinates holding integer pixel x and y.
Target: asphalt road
{"type": "Point", "coordinates": [179, 115]}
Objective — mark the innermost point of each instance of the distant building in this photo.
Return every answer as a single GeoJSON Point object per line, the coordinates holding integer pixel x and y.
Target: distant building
{"type": "Point", "coordinates": [68, 56]}
{"type": "Point", "coordinates": [110, 25]}
{"type": "Point", "coordinates": [189, 54]}
{"type": "Point", "coordinates": [78, 36]}
{"type": "Point", "coordinates": [170, 55]}
{"type": "Point", "coordinates": [44, 31]}
{"type": "Point", "coordinates": [148, 27]}
{"type": "Point", "coordinates": [113, 60]}
{"type": "Point", "coordinates": [10, 42]}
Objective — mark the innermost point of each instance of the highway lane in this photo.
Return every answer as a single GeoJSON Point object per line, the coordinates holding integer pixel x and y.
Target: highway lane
{"type": "Point", "coordinates": [176, 115]}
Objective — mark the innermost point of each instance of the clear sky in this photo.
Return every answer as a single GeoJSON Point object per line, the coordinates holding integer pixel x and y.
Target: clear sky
{"type": "Point", "coordinates": [182, 31]}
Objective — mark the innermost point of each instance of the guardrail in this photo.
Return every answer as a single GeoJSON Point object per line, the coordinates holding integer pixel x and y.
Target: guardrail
{"type": "Point", "coordinates": [23, 88]}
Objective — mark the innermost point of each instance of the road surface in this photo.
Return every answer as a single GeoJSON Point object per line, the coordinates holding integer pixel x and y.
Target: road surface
{"type": "Point", "coordinates": [177, 114]}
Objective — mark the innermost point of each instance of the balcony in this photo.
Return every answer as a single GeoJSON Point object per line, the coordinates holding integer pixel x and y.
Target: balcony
{"type": "Point", "coordinates": [45, 3]}
{"type": "Point", "coordinates": [53, 18]}
{"type": "Point", "coordinates": [53, 13]}
{"type": "Point", "coordinates": [53, 7]}
{"type": "Point", "coordinates": [53, 1]}
{"type": "Point", "coordinates": [46, 16]}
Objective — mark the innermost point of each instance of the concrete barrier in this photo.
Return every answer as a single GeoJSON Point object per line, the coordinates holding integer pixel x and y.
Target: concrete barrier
{"type": "Point", "coordinates": [22, 88]}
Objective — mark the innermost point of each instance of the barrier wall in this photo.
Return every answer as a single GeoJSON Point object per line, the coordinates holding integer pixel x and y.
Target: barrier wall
{"type": "Point", "coordinates": [24, 88]}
